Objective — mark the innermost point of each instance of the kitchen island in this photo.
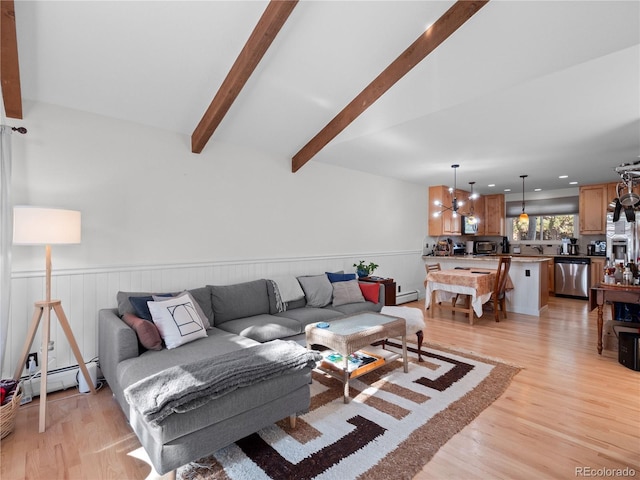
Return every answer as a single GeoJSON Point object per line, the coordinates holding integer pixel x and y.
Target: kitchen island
{"type": "Point", "coordinates": [530, 277]}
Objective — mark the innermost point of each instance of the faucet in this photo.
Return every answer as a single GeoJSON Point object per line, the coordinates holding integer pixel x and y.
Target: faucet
{"type": "Point", "coordinates": [539, 249]}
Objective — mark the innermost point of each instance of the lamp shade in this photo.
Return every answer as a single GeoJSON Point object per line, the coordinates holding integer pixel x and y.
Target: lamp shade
{"type": "Point", "coordinates": [45, 226]}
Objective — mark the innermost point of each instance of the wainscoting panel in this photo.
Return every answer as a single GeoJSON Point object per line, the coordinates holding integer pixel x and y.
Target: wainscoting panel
{"type": "Point", "coordinates": [84, 292]}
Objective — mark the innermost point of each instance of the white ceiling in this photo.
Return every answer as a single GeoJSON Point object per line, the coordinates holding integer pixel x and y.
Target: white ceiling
{"type": "Point", "coordinates": [541, 88]}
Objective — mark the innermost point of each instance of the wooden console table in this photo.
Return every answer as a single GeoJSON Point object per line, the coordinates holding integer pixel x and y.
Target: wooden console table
{"type": "Point", "coordinates": [389, 288]}
{"type": "Point", "coordinates": [602, 293]}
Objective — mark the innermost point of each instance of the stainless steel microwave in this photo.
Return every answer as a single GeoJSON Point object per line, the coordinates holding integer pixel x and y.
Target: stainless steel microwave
{"type": "Point", "coordinates": [468, 227]}
{"type": "Point", "coordinates": [485, 248]}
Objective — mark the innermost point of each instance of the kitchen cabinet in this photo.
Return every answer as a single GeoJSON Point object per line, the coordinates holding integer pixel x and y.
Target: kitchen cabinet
{"type": "Point", "coordinates": [478, 211]}
{"type": "Point", "coordinates": [494, 214]}
{"type": "Point", "coordinates": [597, 270]}
{"type": "Point", "coordinates": [593, 209]}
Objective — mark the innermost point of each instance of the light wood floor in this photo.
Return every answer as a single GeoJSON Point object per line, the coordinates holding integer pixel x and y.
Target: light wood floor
{"type": "Point", "coordinates": [569, 408]}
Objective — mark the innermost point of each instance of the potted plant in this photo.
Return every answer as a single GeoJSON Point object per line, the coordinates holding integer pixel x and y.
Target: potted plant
{"type": "Point", "coordinates": [364, 270]}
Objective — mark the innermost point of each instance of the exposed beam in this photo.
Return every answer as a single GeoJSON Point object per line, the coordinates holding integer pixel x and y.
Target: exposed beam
{"type": "Point", "coordinates": [437, 33]}
{"type": "Point", "coordinates": [9, 67]}
{"type": "Point", "coordinates": [272, 20]}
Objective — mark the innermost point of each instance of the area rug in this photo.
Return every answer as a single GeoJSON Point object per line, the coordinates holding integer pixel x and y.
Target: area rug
{"type": "Point", "coordinates": [393, 425]}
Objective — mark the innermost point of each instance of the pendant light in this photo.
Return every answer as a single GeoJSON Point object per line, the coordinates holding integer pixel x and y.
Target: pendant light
{"type": "Point", "coordinates": [523, 216]}
{"type": "Point", "coordinates": [454, 203]}
{"type": "Point", "coordinates": [471, 217]}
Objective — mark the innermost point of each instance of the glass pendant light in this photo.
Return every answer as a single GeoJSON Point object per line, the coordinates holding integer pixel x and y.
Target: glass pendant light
{"type": "Point", "coordinates": [471, 217]}
{"type": "Point", "coordinates": [523, 216]}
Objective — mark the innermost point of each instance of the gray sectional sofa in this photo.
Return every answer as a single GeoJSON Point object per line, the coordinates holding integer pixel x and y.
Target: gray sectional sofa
{"type": "Point", "coordinates": [240, 316]}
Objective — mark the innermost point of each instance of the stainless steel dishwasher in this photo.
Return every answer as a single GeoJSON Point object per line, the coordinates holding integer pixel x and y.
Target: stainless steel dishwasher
{"type": "Point", "coordinates": [572, 277]}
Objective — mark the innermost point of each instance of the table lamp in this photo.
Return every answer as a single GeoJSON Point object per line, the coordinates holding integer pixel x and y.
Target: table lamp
{"type": "Point", "coordinates": [47, 226]}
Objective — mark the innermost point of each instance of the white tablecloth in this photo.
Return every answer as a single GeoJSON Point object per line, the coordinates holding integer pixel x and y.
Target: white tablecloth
{"type": "Point", "coordinates": [445, 292]}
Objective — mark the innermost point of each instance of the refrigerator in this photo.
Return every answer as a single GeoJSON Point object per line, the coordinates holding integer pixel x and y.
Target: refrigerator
{"type": "Point", "coordinates": [622, 240]}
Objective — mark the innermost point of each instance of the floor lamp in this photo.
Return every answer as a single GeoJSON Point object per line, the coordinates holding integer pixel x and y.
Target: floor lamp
{"type": "Point", "coordinates": [47, 226]}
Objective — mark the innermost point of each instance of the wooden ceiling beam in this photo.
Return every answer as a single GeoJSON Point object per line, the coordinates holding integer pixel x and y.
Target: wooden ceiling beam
{"type": "Point", "coordinates": [437, 33]}
{"type": "Point", "coordinates": [9, 66]}
{"type": "Point", "coordinates": [272, 20]}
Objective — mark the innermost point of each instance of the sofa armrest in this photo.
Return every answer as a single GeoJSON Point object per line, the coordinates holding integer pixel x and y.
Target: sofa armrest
{"type": "Point", "coordinates": [381, 295]}
{"type": "Point", "coordinates": [116, 342]}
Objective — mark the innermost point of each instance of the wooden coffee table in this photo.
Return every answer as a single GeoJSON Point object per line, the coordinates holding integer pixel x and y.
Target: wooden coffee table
{"type": "Point", "coordinates": [350, 334]}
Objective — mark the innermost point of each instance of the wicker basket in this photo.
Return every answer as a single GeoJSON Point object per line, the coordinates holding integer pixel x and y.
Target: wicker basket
{"type": "Point", "coordinates": [8, 413]}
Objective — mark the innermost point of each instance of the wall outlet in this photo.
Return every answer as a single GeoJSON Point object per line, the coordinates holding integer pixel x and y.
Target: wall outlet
{"type": "Point", "coordinates": [399, 288]}
{"type": "Point", "coordinates": [35, 357]}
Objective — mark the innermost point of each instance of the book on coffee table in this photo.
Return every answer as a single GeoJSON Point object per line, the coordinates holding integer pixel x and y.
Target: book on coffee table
{"type": "Point", "coordinates": [358, 364]}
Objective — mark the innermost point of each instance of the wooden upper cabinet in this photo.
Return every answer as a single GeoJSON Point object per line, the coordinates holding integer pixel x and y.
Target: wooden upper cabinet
{"type": "Point", "coordinates": [494, 209]}
{"type": "Point", "coordinates": [479, 212]}
{"type": "Point", "coordinates": [593, 208]}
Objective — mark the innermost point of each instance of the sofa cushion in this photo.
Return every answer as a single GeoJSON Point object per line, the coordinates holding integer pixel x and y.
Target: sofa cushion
{"type": "Point", "coordinates": [177, 320]}
{"type": "Point", "coordinates": [201, 295]}
{"type": "Point", "coordinates": [370, 291]}
{"type": "Point", "coordinates": [340, 277]}
{"type": "Point", "coordinates": [125, 305]}
{"type": "Point", "coordinates": [346, 292]}
{"type": "Point", "coordinates": [351, 308]}
{"type": "Point", "coordinates": [308, 315]}
{"type": "Point", "coordinates": [238, 301]}
{"type": "Point", "coordinates": [317, 290]}
{"type": "Point", "coordinates": [146, 331]}
{"type": "Point", "coordinates": [263, 328]}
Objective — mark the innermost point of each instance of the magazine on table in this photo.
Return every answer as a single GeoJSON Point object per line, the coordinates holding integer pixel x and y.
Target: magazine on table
{"type": "Point", "coordinates": [355, 360]}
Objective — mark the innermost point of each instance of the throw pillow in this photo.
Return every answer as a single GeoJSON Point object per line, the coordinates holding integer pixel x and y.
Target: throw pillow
{"type": "Point", "coordinates": [140, 307]}
{"type": "Point", "coordinates": [177, 320]}
{"type": "Point", "coordinates": [370, 291]}
{"type": "Point", "coordinates": [203, 316]}
{"type": "Point", "coordinates": [340, 277]}
{"type": "Point", "coordinates": [147, 332]}
{"type": "Point", "coordinates": [317, 290]}
{"type": "Point", "coordinates": [346, 292]}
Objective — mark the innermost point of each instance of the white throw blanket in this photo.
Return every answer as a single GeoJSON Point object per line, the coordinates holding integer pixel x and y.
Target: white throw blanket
{"type": "Point", "coordinates": [287, 289]}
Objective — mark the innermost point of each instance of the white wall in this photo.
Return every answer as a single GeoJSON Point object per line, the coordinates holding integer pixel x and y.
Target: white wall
{"type": "Point", "coordinates": [146, 199]}
{"type": "Point", "coordinates": [154, 214]}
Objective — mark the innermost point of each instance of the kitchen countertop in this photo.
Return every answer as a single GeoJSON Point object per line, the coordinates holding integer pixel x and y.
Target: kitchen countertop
{"type": "Point", "coordinates": [516, 257]}
{"type": "Point", "coordinates": [492, 258]}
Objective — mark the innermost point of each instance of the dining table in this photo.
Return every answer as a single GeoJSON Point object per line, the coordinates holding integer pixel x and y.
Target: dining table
{"type": "Point", "coordinates": [444, 286]}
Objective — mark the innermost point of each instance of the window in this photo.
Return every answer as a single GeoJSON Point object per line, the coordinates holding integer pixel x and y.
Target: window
{"type": "Point", "coordinates": [543, 228]}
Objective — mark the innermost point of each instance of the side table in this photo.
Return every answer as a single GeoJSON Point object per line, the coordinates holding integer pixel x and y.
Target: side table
{"type": "Point", "coordinates": [389, 288]}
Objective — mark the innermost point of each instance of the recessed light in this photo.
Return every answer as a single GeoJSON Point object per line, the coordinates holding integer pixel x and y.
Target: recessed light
{"type": "Point", "coordinates": [573, 183]}
{"type": "Point", "coordinates": [537, 189]}
{"type": "Point", "coordinates": [491, 185]}
{"type": "Point", "coordinates": [507, 189]}
{"type": "Point", "coordinates": [563, 176]}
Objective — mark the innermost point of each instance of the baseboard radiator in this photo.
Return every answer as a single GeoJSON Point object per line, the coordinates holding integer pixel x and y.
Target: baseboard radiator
{"type": "Point", "coordinates": [408, 296]}
{"type": "Point", "coordinates": [57, 379]}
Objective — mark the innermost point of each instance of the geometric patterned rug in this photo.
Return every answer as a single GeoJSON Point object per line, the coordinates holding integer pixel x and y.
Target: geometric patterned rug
{"type": "Point", "coordinates": [392, 427]}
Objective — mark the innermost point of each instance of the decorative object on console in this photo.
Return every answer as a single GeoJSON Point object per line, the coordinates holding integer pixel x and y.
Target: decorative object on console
{"type": "Point", "coordinates": [364, 270]}
{"type": "Point", "coordinates": [47, 226]}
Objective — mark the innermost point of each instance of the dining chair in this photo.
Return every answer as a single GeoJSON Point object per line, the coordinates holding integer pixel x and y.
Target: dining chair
{"type": "Point", "coordinates": [498, 297]}
{"type": "Point", "coordinates": [430, 267]}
